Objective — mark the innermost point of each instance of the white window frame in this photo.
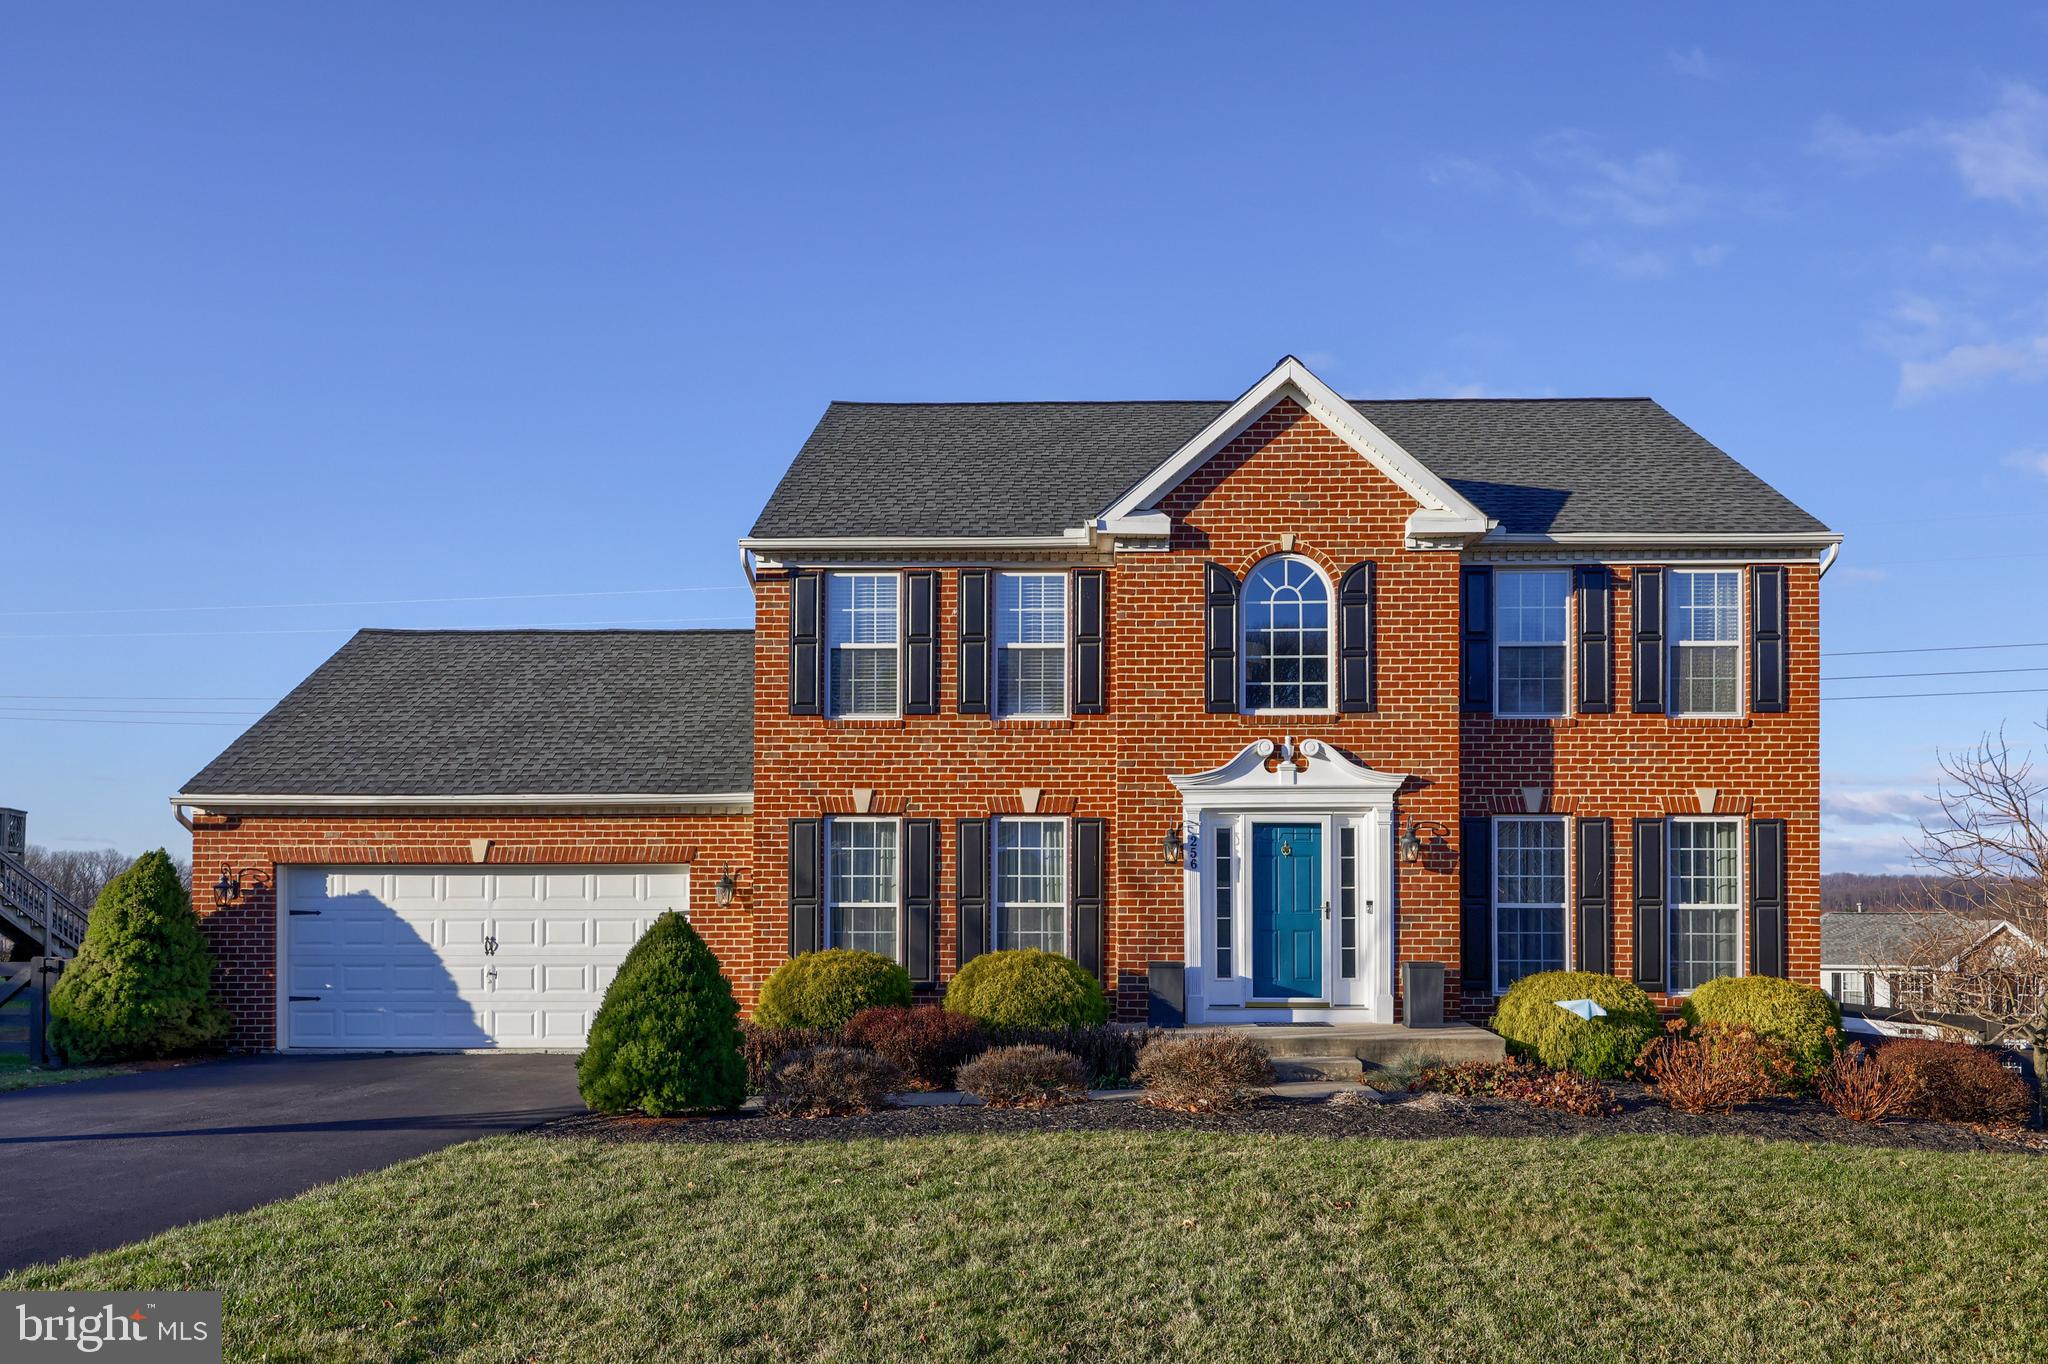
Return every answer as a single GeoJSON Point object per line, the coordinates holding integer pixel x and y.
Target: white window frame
{"type": "Point", "coordinates": [832, 652]}
{"type": "Point", "coordinates": [1672, 904]}
{"type": "Point", "coordinates": [1065, 904]}
{"type": "Point", "coordinates": [1244, 632]}
{"type": "Point", "coordinates": [1004, 646]}
{"type": "Point", "coordinates": [1493, 890]}
{"type": "Point", "coordinates": [833, 904]}
{"type": "Point", "coordinates": [1564, 645]}
{"type": "Point", "coordinates": [1740, 643]}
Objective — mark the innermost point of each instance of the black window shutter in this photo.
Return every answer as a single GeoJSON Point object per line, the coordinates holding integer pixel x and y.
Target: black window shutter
{"type": "Point", "coordinates": [1475, 902]}
{"type": "Point", "coordinates": [921, 898]}
{"type": "Point", "coordinates": [921, 643]}
{"type": "Point", "coordinates": [1596, 641]}
{"type": "Point", "coordinates": [806, 885]}
{"type": "Point", "coordinates": [1646, 623]}
{"type": "Point", "coordinates": [1219, 627]}
{"type": "Point", "coordinates": [974, 641]}
{"type": "Point", "coordinates": [1475, 640]}
{"type": "Point", "coordinates": [1091, 660]}
{"type": "Point", "coordinates": [970, 904]}
{"type": "Point", "coordinates": [1355, 627]}
{"type": "Point", "coordinates": [1769, 675]}
{"type": "Point", "coordinates": [1768, 948]}
{"type": "Point", "coordinates": [1091, 851]}
{"type": "Point", "coordinates": [1596, 894]}
{"type": "Point", "coordinates": [1652, 928]}
{"type": "Point", "coordinates": [806, 644]}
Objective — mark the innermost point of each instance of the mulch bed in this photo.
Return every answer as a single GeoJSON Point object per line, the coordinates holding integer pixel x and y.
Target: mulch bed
{"type": "Point", "coordinates": [1413, 1118]}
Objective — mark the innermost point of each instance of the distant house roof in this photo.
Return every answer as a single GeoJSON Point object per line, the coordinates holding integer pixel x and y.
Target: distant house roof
{"type": "Point", "coordinates": [1889, 938]}
{"type": "Point", "coordinates": [452, 713]}
{"type": "Point", "coordinates": [1538, 466]}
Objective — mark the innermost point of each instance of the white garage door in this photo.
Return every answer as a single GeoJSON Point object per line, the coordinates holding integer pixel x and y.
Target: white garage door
{"type": "Point", "coordinates": [431, 957]}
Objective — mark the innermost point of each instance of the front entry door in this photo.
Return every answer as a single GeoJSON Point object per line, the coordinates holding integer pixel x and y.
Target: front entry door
{"type": "Point", "coordinates": [1287, 911]}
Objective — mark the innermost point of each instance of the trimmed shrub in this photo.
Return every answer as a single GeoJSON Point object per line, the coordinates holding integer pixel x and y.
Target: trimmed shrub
{"type": "Point", "coordinates": [1956, 1081]}
{"type": "Point", "coordinates": [1714, 1067]}
{"type": "Point", "coordinates": [1519, 1082]}
{"type": "Point", "coordinates": [762, 1047]}
{"type": "Point", "coordinates": [1108, 1052]}
{"type": "Point", "coordinates": [826, 989]}
{"type": "Point", "coordinates": [823, 1082]}
{"type": "Point", "coordinates": [666, 1039]}
{"type": "Point", "coordinates": [1203, 1072]}
{"type": "Point", "coordinates": [1601, 1048]}
{"type": "Point", "coordinates": [142, 982]}
{"type": "Point", "coordinates": [928, 1045]}
{"type": "Point", "coordinates": [1857, 1086]}
{"type": "Point", "coordinates": [1027, 988]}
{"type": "Point", "coordinates": [1799, 1018]}
{"type": "Point", "coordinates": [1025, 1077]}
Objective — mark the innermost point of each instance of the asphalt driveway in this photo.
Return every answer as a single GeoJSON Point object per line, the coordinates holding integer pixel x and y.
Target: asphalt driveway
{"type": "Point", "coordinates": [104, 1162]}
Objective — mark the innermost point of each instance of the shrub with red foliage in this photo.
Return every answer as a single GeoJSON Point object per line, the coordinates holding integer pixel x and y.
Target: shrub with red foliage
{"type": "Point", "coordinates": [927, 1044]}
{"type": "Point", "coordinates": [1714, 1067]}
{"type": "Point", "coordinates": [762, 1047]}
{"type": "Point", "coordinates": [819, 1082]}
{"type": "Point", "coordinates": [1521, 1082]}
{"type": "Point", "coordinates": [1861, 1088]}
{"type": "Point", "coordinates": [1956, 1082]}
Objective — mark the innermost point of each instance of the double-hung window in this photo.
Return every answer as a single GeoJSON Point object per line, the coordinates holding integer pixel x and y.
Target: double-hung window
{"type": "Point", "coordinates": [1031, 884]}
{"type": "Point", "coordinates": [861, 885]}
{"type": "Point", "coordinates": [1031, 644]}
{"type": "Point", "coordinates": [1528, 897]}
{"type": "Point", "coordinates": [1287, 637]}
{"type": "Point", "coordinates": [1529, 627]}
{"type": "Point", "coordinates": [1706, 901]}
{"type": "Point", "coordinates": [863, 634]}
{"type": "Point", "coordinates": [1706, 642]}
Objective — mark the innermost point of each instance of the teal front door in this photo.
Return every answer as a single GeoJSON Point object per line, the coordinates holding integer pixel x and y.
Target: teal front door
{"type": "Point", "coordinates": [1287, 911]}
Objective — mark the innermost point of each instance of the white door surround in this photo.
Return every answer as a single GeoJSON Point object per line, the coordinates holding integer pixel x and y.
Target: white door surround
{"type": "Point", "coordinates": [1306, 782]}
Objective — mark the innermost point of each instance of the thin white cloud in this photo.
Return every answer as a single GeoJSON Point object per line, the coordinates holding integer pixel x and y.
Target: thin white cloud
{"type": "Point", "coordinates": [1866, 850]}
{"type": "Point", "coordinates": [1962, 368]}
{"type": "Point", "coordinates": [2030, 461]}
{"type": "Point", "coordinates": [1874, 805]}
{"type": "Point", "coordinates": [1694, 64]}
{"type": "Point", "coordinates": [2000, 155]}
{"type": "Point", "coordinates": [1646, 189]}
{"type": "Point", "coordinates": [1623, 262]}
{"type": "Point", "coordinates": [1850, 575]}
{"type": "Point", "coordinates": [1706, 257]}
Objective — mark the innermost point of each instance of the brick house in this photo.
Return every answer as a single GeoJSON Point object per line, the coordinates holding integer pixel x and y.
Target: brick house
{"type": "Point", "coordinates": [1242, 704]}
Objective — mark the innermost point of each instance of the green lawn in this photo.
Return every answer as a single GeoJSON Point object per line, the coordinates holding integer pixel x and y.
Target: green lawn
{"type": "Point", "coordinates": [1120, 1246]}
{"type": "Point", "coordinates": [17, 1073]}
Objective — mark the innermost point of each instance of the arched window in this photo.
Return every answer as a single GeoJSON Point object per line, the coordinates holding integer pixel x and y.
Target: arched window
{"type": "Point", "coordinates": [1286, 637]}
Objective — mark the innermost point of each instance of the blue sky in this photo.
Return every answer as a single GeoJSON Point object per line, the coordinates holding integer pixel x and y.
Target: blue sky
{"type": "Point", "coordinates": [319, 317]}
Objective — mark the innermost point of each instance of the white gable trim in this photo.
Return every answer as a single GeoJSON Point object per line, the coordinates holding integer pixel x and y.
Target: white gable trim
{"type": "Point", "coordinates": [1441, 511]}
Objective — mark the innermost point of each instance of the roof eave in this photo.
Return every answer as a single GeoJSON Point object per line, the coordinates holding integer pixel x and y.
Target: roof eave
{"type": "Point", "coordinates": [275, 800]}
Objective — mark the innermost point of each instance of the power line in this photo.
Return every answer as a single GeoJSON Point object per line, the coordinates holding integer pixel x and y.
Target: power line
{"type": "Point", "coordinates": [350, 629]}
{"type": "Point", "coordinates": [68, 696]}
{"type": "Point", "coordinates": [1929, 649]}
{"type": "Point", "coordinates": [1952, 672]}
{"type": "Point", "coordinates": [387, 601]}
{"type": "Point", "coordinates": [1905, 695]}
{"type": "Point", "coordinates": [118, 710]}
{"type": "Point", "coordinates": [183, 724]}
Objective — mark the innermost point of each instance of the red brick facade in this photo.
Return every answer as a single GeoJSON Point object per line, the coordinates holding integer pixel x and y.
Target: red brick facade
{"type": "Point", "coordinates": [1286, 481]}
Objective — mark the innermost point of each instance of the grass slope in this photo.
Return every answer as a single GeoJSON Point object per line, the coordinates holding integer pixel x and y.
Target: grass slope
{"type": "Point", "coordinates": [17, 1073]}
{"type": "Point", "coordinates": [1129, 1247]}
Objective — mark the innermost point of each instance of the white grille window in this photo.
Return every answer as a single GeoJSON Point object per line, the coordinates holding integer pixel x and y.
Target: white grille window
{"type": "Point", "coordinates": [1286, 637]}
{"type": "Point", "coordinates": [1706, 642]}
{"type": "Point", "coordinates": [862, 634]}
{"type": "Point", "coordinates": [1031, 643]}
{"type": "Point", "coordinates": [1528, 898]}
{"type": "Point", "coordinates": [861, 884]}
{"type": "Point", "coordinates": [1706, 901]}
{"type": "Point", "coordinates": [1529, 627]}
{"type": "Point", "coordinates": [1031, 884]}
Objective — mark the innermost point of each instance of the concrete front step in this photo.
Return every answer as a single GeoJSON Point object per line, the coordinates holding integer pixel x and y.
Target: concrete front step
{"type": "Point", "coordinates": [1371, 1044]}
{"type": "Point", "coordinates": [1289, 1069]}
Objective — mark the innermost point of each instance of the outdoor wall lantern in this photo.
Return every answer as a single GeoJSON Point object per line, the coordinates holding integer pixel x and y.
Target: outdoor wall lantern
{"type": "Point", "coordinates": [728, 886]}
{"type": "Point", "coordinates": [1173, 846]}
{"type": "Point", "coordinates": [229, 888]}
{"type": "Point", "coordinates": [1411, 842]}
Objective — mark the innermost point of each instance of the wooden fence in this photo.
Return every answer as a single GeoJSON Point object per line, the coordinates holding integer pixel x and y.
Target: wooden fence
{"type": "Point", "coordinates": [25, 1007]}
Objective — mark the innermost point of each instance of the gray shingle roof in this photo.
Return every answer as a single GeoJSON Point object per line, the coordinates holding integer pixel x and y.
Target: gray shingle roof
{"type": "Point", "coordinates": [507, 712]}
{"type": "Point", "coordinates": [1889, 938]}
{"type": "Point", "coordinates": [1536, 465]}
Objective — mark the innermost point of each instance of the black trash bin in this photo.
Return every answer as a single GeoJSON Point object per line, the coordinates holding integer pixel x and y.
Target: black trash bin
{"type": "Point", "coordinates": [1422, 994]}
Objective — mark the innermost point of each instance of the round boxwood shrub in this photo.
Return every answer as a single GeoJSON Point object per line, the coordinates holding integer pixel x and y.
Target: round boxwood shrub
{"type": "Point", "coordinates": [1600, 1048]}
{"type": "Point", "coordinates": [826, 989]}
{"type": "Point", "coordinates": [1027, 988]}
{"type": "Point", "coordinates": [142, 982]}
{"type": "Point", "coordinates": [1799, 1018]}
{"type": "Point", "coordinates": [667, 1038]}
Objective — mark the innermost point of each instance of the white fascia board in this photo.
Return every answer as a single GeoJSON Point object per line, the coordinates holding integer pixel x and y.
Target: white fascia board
{"type": "Point", "coordinates": [1291, 378]}
{"type": "Point", "coordinates": [1140, 525]}
{"type": "Point", "coordinates": [203, 801]}
{"type": "Point", "coordinates": [1790, 539]}
{"type": "Point", "coordinates": [1079, 537]}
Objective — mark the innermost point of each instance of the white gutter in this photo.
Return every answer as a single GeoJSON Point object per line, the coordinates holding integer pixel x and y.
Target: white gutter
{"type": "Point", "coordinates": [1827, 560]}
{"type": "Point", "coordinates": [271, 802]}
{"type": "Point", "coordinates": [1073, 539]}
{"type": "Point", "coordinates": [1800, 539]}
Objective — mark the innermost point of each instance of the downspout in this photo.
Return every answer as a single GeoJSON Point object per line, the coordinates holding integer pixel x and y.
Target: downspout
{"type": "Point", "coordinates": [747, 564]}
{"type": "Point", "coordinates": [178, 813]}
{"type": "Point", "coordinates": [1827, 560]}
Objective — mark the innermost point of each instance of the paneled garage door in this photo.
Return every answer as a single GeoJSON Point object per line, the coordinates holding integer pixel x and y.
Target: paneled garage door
{"type": "Point", "coordinates": [438, 957]}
